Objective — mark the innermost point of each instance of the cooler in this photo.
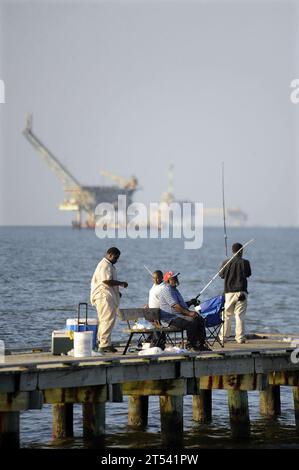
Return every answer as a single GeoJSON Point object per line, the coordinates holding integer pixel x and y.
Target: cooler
{"type": "Point", "coordinates": [75, 324]}
{"type": "Point", "coordinates": [92, 325]}
{"type": "Point", "coordinates": [62, 342]}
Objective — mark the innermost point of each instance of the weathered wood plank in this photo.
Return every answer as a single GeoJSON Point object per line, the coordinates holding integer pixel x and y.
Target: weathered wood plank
{"type": "Point", "coordinates": [156, 387]}
{"type": "Point", "coordinates": [20, 401]}
{"type": "Point", "coordinates": [8, 382]}
{"type": "Point", "coordinates": [150, 314]}
{"type": "Point", "coordinates": [28, 381]}
{"type": "Point", "coordinates": [73, 377]}
{"type": "Point", "coordinates": [232, 382]}
{"type": "Point", "coordinates": [275, 362]}
{"type": "Point", "coordinates": [233, 365]}
{"type": "Point", "coordinates": [134, 372]}
{"type": "Point", "coordinates": [95, 394]}
{"type": "Point", "coordinates": [287, 378]}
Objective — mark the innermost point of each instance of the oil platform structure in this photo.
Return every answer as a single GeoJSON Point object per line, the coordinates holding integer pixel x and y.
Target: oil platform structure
{"type": "Point", "coordinates": [82, 200]}
{"type": "Point", "coordinates": [236, 217]}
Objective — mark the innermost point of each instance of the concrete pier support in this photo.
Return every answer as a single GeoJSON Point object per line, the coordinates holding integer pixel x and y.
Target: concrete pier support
{"type": "Point", "coordinates": [94, 415]}
{"type": "Point", "coordinates": [171, 410]}
{"type": "Point", "coordinates": [202, 406]}
{"type": "Point", "coordinates": [296, 407]}
{"type": "Point", "coordinates": [62, 421]}
{"type": "Point", "coordinates": [239, 413]}
{"type": "Point", "coordinates": [138, 411]}
{"type": "Point", "coordinates": [270, 401]}
{"type": "Point", "coordinates": [9, 430]}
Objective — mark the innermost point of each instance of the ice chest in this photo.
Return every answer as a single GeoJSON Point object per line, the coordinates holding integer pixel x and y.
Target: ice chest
{"type": "Point", "coordinates": [89, 324]}
{"type": "Point", "coordinates": [61, 342]}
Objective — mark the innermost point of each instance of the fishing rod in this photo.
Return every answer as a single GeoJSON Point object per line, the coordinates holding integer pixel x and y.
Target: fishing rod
{"type": "Point", "coordinates": [224, 266]}
{"type": "Point", "coordinates": [148, 270]}
{"type": "Point", "coordinates": [224, 212]}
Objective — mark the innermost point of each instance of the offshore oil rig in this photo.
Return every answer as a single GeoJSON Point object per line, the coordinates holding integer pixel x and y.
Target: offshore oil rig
{"type": "Point", "coordinates": [78, 198]}
{"type": "Point", "coordinates": [82, 200]}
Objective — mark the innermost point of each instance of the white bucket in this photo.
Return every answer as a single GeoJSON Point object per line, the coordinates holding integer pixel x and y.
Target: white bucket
{"type": "Point", "coordinates": [83, 343]}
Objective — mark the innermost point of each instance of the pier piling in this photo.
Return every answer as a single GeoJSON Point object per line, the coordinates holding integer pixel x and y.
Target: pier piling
{"type": "Point", "coordinates": [93, 419]}
{"type": "Point", "coordinates": [202, 406]}
{"type": "Point", "coordinates": [296, 407]}
{"type": "Point", "coordinates": [171, 410]}
{"type": "Point", "coordinates": [9, 430]}
{"type": "Point", "coordinates": [239, 413]}
{"type": "Point", "coordinates": [62, 420]}
{"type": "Point", "coordinates": [270, 401]}
{"type": "Point", "coordinates": [138, 411]}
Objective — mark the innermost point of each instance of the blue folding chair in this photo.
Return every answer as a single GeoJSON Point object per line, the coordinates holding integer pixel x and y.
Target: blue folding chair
{"type": "Point", "coordinates": [212, 311]}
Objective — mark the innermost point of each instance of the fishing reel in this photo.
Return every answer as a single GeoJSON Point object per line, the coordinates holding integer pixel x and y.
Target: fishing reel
{"type": "Point", "coordinates": [195, 302]}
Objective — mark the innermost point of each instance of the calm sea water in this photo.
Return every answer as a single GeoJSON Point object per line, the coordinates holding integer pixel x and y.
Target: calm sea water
{"type": "Point", "coordinates": [46, 271]}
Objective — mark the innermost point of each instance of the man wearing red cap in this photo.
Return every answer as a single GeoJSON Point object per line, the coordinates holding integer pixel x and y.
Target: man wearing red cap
{"type": "Point", "coordinates": [175, 311]}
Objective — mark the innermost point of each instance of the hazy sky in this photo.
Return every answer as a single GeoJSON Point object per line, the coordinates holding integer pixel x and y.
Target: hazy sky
{"type": "Point", "coordinates": [134, 86]}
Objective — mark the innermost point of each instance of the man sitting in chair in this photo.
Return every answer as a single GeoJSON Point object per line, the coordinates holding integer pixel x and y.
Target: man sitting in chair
{"type": "Point", "coordinates": [175, 311]}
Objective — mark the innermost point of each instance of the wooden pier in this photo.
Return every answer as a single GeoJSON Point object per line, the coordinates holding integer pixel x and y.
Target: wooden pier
{"type": "Point", "coordinates": [30, 380]}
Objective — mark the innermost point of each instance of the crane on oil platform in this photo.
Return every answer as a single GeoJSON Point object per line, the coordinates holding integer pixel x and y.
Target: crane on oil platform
{"type": "Point", "coordinates": [131, 183]}
{"type": "Point", "coordinates": [78, 198]}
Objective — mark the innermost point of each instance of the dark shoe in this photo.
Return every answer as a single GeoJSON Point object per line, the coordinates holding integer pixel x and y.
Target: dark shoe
{"type": "Point", "coordinates": [205, 347]}
{"type": "Point", "coordinates": [194, 348]}
{"type": "Point", "coordinates": [107, 349]}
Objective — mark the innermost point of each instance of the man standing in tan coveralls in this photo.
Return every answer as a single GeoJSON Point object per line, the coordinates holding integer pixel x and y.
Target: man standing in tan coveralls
{"type": "Point", "coordinates": [235, 276]}
{"type": "Point", "coordinates": [105, 296]}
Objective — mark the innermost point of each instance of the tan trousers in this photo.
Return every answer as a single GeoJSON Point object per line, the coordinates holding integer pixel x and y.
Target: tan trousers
{"type": "Point", "coordinates": [107, 311]}
{"type": "Point", "coordinates": [233, 306]}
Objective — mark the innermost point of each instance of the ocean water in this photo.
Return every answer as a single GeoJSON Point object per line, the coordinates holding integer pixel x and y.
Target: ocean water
{"type": "Point", "coordinates": [46, 271]}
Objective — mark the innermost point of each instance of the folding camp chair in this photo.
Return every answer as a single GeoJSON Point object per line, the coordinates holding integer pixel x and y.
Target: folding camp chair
{"type": "Point", "coordinates": [212, 311]}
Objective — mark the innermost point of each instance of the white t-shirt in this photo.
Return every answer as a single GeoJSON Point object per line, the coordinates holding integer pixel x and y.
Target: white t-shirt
{"type": "Point", "coordinates": [105, 271]}
{"type": "Point", "coordinates": [154, 294]}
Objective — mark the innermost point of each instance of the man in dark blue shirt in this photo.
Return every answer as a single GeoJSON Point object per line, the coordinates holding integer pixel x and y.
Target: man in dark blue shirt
{"type": "Point", "coordinates": [175, 311]}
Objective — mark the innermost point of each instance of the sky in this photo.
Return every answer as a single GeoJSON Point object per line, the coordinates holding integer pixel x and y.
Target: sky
{"type": "Point", "coordinates": [132, 87]}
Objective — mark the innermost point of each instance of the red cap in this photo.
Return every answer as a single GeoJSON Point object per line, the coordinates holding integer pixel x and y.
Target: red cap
{"type": "Point", "coordinates": [169, 274]}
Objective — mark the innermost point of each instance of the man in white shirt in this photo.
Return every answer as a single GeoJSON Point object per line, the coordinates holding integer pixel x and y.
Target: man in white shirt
{"type": "Point", "coordinates": [154, 293]}
{"type": "Point", "coordinates": [105, 296]}
{"type": "Point", "coordinates": [154, 302]}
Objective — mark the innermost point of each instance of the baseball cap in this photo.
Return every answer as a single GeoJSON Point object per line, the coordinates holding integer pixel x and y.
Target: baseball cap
{"type": "Point", "coordinates": [169, 274]}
